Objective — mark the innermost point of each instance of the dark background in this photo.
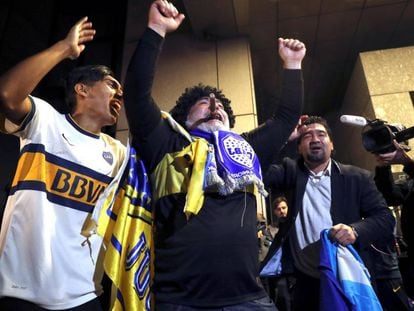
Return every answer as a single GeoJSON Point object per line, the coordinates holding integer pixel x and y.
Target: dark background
{"type": "Point", "coordinates": [334, 31]}
{"type": "Point", "coordinates": [27, 27]}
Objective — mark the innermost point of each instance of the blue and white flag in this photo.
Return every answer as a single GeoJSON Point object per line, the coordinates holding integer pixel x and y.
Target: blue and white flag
{"type": "Point", "coordinates": [345, 281]}
{"type": "Point", "coordinates": [274, 266]}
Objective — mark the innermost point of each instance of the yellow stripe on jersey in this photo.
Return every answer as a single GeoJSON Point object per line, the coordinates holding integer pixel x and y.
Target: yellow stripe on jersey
{"type": "Point", "coordinates": [62, 180]}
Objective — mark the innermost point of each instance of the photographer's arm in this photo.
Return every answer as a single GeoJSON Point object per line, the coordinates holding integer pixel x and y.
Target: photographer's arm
{"type": "Point", "coordinates": [399, 156]}
{"type": "Point", "coordinates": [394, 193]}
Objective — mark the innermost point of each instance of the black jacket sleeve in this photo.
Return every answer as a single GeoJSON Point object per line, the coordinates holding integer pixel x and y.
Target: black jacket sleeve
{"type": "Point", "coordinates": [142, 113]}
{"type": "Point", "coordinates": [151, 136]}
{"type": "Point", "coordinates": [395, 193]}
{"type": "Point", "coordinates": [268, 139]}
{"type": "Point", "coordinates": [376, 220]}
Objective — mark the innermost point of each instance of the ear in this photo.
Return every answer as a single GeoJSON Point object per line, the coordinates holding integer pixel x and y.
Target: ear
{"type": "Point", "coordinates": [81, 89]}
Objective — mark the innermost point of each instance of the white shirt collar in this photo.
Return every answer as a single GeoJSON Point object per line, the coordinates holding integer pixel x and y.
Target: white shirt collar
{"type": "Point", "coordinates": [325, 172]}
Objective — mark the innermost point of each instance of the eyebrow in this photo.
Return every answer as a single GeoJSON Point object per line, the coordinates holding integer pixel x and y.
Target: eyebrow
{"type": "Point", "coordinates": [208, 98]}
{"type": "Point", "coordinates": [316, 130]}
{"type": "Point", "coordinates": [113, 80]}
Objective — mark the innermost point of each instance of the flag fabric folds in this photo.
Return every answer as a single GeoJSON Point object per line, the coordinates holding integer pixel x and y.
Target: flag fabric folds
{"type": "Point", "coordinates": [273, 267]}
{"type": "Point", "coordinates": [125, 222]}
{"type": "Point", "coordinates": [345, 281]}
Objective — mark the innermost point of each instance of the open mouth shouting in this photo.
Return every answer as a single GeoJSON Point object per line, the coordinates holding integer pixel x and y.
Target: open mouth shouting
{"type": "Point", "coordinates": [115, 107]}
{"type": "Point", "coordinates": [315, 147]}
{"type": "Point", "coordinates": [214, 116]}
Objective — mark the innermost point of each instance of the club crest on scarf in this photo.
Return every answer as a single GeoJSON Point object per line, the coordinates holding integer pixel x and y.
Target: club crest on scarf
{"type": "Point", "coordinates": [231, 163]}
{"type": "Point", "coordinates": [237, 163]}
{"type": "Point", "coordinates": [238, 150]}
{"type": "Point", "coordinates": [222, 160]}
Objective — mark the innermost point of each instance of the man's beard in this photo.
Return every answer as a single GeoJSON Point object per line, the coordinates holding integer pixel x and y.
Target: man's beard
{"type": "Point", "coordinates": [210, 128]}
{"type": "Point", "coordinates": [317, 158]}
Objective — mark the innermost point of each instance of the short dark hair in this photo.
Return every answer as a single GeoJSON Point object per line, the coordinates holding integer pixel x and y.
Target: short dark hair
{"type": "Point", "coordinates": [319, 120]}
{"type": "Point", "coordinates": [278, 200]}
{"type": "Point", "coordinates": [191, 95]}
{"type": "Point", "coordinates": [85, 74]}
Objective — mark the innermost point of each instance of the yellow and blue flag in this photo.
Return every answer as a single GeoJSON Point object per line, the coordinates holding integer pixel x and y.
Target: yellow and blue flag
{"type": "Point", "coordinates": [126, 224]}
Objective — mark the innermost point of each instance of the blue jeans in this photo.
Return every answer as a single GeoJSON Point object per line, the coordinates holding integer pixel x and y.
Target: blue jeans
{"type": "Point", "coordinates": [262, 304]}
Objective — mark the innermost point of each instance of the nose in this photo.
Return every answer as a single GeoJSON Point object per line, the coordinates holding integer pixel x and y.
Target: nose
{"type": "Point", "coordinates": [315, 138]}
{"type": "Point", "coordinates": [119, 94]}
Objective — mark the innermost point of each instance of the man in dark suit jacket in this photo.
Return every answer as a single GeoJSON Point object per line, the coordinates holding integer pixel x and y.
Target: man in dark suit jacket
{"type": "Point", "coordinates": [400, 192]}
{"type": "Point", "coordinates": [324, 194]}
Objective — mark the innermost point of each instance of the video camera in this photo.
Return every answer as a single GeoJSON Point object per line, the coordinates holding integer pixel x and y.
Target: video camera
{"type": "Point", "coordinates": [378, 135]}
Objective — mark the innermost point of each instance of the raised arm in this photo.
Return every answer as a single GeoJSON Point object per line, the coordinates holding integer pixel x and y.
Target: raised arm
{"type": "Point", "coordinates": [268, 139]}
{"type": "Point", "coordinates": [292, 52]}
{"type": "Point", "coordinates": [141, 111]}
{"type": "Point", "coordinates": [17, 83]}
{"type": "Point", "coordinates": [163, 17]}
{"type": "Point", "coordinates": [394, 193]}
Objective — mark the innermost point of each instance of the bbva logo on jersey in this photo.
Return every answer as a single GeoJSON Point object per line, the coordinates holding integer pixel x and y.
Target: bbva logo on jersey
{"type": "Point", "coordinates": [77, 187]}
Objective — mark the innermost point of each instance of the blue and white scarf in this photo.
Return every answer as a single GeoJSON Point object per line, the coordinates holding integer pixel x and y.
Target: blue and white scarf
{"type": "Point", "coordinates": [231, 162]}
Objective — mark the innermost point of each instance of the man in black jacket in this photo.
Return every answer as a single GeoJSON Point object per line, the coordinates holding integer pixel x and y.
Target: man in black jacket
{"type": "Point", "coordinates": [400, 193]}
{"type": "Point", "coordinates": [324, 194]}
{"type": "Point", "coordinates": [205, 253]}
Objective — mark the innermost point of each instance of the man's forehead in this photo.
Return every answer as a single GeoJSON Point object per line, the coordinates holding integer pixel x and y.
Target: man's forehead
{"type": "Point", "coordinates": [208, 98]}
{"type": "Point", "coordinates": [315, 127]}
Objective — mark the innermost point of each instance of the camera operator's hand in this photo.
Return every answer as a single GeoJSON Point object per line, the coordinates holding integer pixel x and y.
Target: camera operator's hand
{"type": "Point", "coordinates": [399, 156]}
